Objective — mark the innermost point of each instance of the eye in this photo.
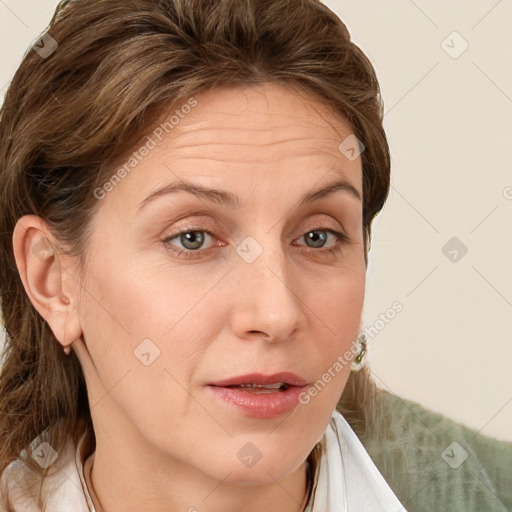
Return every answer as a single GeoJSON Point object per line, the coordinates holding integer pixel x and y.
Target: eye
{"type": "Point", "coordinates": [191, 241]}
{"type": "Point", "coordinates": [317, 238]}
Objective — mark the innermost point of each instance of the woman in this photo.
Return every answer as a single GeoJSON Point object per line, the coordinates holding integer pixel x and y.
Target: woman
{"type": "Point", "coordinates": [187, 191]}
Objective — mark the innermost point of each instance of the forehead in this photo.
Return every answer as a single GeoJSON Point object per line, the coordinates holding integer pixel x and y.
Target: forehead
{"type": "Point", "coordinates": [270, 114]}
{"type": "Point", "coordinates": [236, 135]}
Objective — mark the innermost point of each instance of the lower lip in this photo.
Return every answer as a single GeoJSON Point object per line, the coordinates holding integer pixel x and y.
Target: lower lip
{"type": "Point", "coordinates": [261, 405]}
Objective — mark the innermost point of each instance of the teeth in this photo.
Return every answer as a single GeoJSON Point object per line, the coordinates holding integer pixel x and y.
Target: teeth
{"type": "Point", "coordinates": [262, 388]}
{"type": "Point", "coordinates": [269, 386]}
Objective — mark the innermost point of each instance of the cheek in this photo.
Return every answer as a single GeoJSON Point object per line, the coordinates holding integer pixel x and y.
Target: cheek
{"type": "Point", "coordinates": [145, 345]}
{"type": "Point", "coordinates": [339, 305]}
{"type": "Point", "coordinates": [143, 319]}
{"type": "Point", "coordinates": [338, 320]}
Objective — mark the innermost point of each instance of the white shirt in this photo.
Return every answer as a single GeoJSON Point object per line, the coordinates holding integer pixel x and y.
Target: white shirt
{"type": "Point", "coordinates": [347, 480]}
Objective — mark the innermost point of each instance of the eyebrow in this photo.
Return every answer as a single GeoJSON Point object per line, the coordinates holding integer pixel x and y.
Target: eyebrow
{"type": "Point", "coordinates": [225, 198]}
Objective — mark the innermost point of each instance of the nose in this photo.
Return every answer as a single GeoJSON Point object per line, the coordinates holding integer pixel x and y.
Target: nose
{"type": "Point", "coordinates": [267, 300]}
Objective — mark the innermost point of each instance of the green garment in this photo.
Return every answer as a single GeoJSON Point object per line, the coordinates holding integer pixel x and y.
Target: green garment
{"type": "Point", "coordinates": [415, 454]}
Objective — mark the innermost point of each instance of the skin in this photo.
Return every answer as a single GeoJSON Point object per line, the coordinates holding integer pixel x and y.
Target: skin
{"type": "Point", "coordinates": [163, 442]}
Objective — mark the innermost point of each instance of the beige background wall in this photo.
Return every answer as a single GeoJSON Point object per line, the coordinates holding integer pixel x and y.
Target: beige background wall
{"type": "Point", "coordinates": [448, 112]}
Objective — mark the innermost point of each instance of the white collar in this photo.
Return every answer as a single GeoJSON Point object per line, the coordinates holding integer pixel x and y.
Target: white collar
{"type": "Point", "coordinates": [347, 479]}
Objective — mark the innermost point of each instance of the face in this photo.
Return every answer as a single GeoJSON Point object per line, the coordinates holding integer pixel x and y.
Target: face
{"type": "Point", "coordinates": [183, 289]}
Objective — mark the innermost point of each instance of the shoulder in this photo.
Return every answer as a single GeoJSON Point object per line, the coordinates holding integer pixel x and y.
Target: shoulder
{"type": "Point", "coordinates": [435, 463]}
{"type": "Point", "coordinates": [61, 490]}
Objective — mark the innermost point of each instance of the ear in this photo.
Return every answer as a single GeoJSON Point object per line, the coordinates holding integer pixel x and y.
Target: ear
{"type": "Point", "coordinates": [50, 286]}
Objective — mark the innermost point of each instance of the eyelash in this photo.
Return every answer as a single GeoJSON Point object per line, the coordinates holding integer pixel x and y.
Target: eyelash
{"type": "Point", "coordinates": [341, 240]}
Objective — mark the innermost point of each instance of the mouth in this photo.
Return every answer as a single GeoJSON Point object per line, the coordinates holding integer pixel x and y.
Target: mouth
{"type": "Point", "coordinates": [260, 396]}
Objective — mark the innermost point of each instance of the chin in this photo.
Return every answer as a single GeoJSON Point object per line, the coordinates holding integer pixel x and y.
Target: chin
{"type": "Point", "coordinates": [245, 465]}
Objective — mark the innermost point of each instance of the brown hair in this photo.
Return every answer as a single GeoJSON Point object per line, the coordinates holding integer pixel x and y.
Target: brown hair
{"type": "Point", "coordinates": [69, 117]}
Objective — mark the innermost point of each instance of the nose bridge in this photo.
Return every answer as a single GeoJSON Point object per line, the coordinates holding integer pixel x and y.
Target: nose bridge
{"type": "Point", "coordinates": [268, 300]}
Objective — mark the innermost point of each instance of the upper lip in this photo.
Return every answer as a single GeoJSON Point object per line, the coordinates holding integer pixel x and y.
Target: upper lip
{"type": "Point", "coordinates": [258, 378]}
